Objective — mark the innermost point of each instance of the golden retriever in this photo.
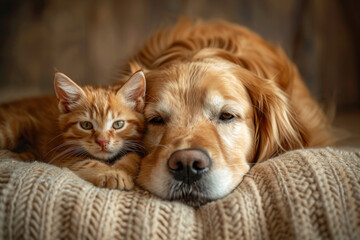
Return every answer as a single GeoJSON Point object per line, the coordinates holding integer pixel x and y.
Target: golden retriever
{"type": "Point", "coordinates": [219, 98]}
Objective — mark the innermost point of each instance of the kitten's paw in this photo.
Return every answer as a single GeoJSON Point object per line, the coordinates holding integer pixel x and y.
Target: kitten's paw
{"type": "Point", "coordinates": [115, 179]}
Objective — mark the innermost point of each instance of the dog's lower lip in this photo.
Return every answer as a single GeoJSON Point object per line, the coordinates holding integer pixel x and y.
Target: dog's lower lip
{"type": "Point", "coordinates": [192, 195]}
{"type": "Point", "coordinates": [194, 201]}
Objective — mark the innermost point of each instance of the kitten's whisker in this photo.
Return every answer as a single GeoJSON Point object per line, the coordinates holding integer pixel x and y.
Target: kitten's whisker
{"type": "Point", "coordinates": [133, 146]}
{"type": "Point", "coordinates": [83, 155]}
{"type": "Point", "coordinates": [63, 154]}
{"type": "Point", "coordinates": [54, 138]}
{"type": "Point", "coordinates": [68, 143]}
{"type": "Point", "coordinates": [72, 151]}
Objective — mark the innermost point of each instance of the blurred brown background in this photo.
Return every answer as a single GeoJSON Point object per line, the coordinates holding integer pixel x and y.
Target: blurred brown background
{"type": "Point", "coordinates": [88, 40]}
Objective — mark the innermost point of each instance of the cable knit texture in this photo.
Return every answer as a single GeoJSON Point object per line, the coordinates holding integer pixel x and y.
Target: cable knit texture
{"type": "Point", "coordinates": [303, 194]}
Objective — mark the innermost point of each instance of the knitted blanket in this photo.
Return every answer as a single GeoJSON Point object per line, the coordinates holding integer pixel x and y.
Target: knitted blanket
{"type": "Point", "coordinates": [303, 194]}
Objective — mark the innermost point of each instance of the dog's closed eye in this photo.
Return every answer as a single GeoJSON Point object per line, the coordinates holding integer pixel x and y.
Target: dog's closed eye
{"type": "Point", "coordinates": [226, 117]}
{"type": "Point", "coordinates": [156, 120]}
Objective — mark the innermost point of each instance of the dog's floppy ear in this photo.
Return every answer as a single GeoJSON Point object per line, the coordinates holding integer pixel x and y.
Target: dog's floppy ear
{"type": "Point", "coordinates": [277, 128]}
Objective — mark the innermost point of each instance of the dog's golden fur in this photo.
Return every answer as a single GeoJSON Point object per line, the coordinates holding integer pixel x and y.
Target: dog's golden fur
{"type": "Point", "coordinates": [198, 71]}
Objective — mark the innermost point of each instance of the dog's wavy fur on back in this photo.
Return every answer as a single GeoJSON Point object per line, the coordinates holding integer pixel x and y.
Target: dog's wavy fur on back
{"type": "Point", "coordinates": [285, 116]}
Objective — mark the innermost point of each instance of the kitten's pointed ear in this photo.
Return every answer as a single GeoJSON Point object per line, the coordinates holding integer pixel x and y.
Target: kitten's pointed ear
{"type": "Point", "coordinates": [67, 91]}
{"type": "Point", "coordinates": [133, 91]}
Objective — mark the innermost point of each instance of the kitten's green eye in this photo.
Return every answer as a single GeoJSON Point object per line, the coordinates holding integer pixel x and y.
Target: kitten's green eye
{"type": "Point", "coordinates": [118, 124]}
{"type": "Point", "coordinates": [86, 125]}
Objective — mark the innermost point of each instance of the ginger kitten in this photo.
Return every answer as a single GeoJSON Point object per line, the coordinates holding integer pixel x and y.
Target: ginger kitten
{"type": "Point", "coordinates": [95, 132]}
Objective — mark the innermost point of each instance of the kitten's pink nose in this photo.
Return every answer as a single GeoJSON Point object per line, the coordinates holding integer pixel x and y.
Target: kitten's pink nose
{"type": "Point", "coordinates": [102, 143]}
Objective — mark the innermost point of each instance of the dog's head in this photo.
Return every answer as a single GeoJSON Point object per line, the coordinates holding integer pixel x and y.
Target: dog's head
{"type": "Point", "coordinates": [208, 118]}
{"type": "Point", "coordinates": [218, 99]}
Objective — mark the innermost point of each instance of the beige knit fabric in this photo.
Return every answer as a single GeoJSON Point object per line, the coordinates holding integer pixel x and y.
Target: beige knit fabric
{"type": "Point", "coordinates": [305, 194]}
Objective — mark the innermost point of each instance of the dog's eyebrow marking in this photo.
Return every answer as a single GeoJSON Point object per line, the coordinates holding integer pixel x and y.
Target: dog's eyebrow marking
{"type": "Point", "coordinates": [216, 103]}
{"type": "Point", "coordinates": [158, 107]}
{"type": "Point", "coordinates": [213, 104]}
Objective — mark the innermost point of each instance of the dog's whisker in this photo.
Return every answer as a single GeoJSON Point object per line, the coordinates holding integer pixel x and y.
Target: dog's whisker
{"type": "Point", "coordinates": [243, 174]}
{"type": "Point", "coordinates": [161, 145]}
{"type": "Point", "coordinates": [237, 164]}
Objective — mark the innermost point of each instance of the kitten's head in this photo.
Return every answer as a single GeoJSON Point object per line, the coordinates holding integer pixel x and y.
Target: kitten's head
{"type": "Point", "coordinates": [101, 122]}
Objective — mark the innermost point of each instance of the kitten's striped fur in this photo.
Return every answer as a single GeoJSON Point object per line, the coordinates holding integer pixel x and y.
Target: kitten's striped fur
{"type": "Point", "coordinates": [51, 129]}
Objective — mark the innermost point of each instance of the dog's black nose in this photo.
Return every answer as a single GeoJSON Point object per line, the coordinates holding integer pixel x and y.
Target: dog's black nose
{"type": "Point", "coordinates": [188, 165]}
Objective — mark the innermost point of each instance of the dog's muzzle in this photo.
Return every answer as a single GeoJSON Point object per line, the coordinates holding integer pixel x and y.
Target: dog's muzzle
{"type": "Point", "coordinates": [188, 165]}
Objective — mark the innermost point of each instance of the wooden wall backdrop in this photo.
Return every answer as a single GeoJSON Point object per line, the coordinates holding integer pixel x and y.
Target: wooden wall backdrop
{"type": "Point", "coordinates": [89, 39]}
